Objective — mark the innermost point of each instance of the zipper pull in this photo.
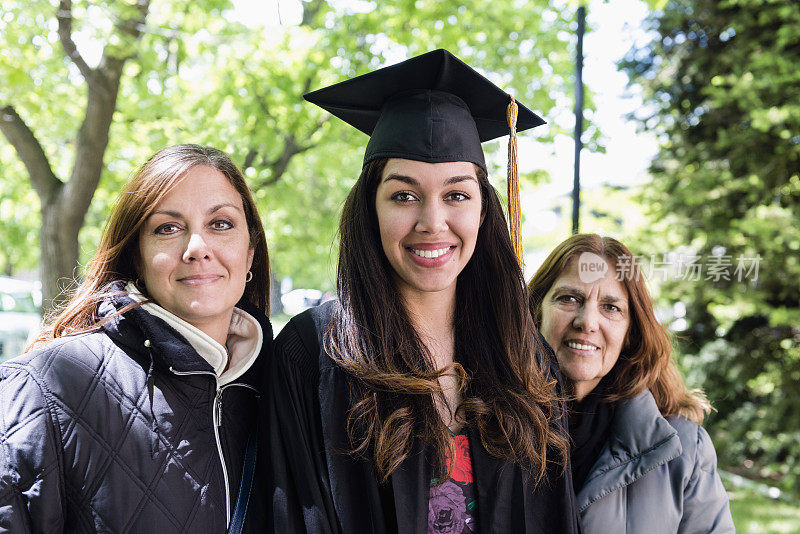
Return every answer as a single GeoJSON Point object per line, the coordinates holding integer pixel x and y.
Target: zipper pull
{"type": "Point", "coordinates": [218, 408]}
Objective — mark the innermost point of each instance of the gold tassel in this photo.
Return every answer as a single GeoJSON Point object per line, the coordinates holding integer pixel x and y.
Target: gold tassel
{"type": "Point", "coordinates": [513, 182]}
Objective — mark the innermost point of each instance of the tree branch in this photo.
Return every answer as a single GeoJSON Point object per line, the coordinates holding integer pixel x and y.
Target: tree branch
{"type": "Point", "coordinates": [64, 16]}
{"type": "Point", "coordinates": [92, 139]}
{"type": "Point", "coordinates": [279, 165]}
{"type": "Point", "coordinates": [325, 117]}
{"type": "Point", "coordinates": [134, 25]}
{"type": "Point", "coordinates": [261, 100]}
{"type": "Point", "coordinates": [320, 124]}
{"type": "Point", "coordinates": [307, 85]}
{"type": "Point", "coordinates": [133, 28]}
{"type": "Point", "coordinates": [291, 147]}
{"type": "Point", "coordinates": [250, 158]}
{"type": "Point", "coordinates": [310, 10]}
{"type": "Point", "coordinates": [30, 152]}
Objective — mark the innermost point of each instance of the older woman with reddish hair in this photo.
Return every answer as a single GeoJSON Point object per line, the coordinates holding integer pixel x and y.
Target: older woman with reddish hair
{"type": "Point", "coordinates": [640, 460]}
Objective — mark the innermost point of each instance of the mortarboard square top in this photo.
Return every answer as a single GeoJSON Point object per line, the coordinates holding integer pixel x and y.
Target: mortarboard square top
{"type": "Point", "coordinates": [432, 108]}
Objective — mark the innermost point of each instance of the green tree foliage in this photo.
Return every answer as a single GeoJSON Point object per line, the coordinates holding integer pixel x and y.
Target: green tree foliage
{"type": "Point", "coordinates": [20, 219]}
{"type": "Point", "coordinates": [187, 74]}
{"type": "Point", "coordinates": [723, 81]}
{"type": "Point", "coordinates": [46, 76]}
{"type": "Point", "coordinates": [272, 126]}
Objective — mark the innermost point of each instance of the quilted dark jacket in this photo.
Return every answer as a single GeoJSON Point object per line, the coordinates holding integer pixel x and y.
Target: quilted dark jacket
{"type": "Point", "coordinates": [116, 431]}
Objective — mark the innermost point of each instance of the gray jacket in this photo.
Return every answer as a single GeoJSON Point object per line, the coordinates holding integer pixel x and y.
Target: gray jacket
{"type": "Point", "coordinates": [654, 475]}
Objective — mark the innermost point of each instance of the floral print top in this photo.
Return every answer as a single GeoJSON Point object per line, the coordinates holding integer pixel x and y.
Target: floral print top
{"type": "Point", "coordinates": [452, 505]}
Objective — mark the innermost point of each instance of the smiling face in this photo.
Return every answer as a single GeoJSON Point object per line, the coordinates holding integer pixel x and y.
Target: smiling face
{"type": "Point", "coordinates": [428, 215]}
{"type": "Point", "coordinates": [585, 320]}
{"type": "Point", "coordinates": [194, 251]}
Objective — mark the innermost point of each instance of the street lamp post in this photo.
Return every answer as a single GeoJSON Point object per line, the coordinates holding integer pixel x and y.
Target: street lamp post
{"type": "Point", "coordinates": [576, 183]}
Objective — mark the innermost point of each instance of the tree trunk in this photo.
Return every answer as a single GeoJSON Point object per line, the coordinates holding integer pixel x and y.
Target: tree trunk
{"type": "Point", "coordinates": [59, 254]}
{"type": "Point", "coordinates": [64, 212]}
{"type": "Point", "coordinates": [64, 204]}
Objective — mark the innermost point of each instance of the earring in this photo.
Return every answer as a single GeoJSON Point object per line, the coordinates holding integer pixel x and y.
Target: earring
{"type": "Point", "coordinates": [248, 277]}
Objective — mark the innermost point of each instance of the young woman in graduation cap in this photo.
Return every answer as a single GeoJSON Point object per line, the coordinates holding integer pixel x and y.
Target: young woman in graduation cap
{"type": "Point", "coordinates": [423, 400]}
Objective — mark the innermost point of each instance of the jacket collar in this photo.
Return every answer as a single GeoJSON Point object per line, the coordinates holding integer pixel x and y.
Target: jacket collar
{"type": "Point", "coordinates": [135, 329]}
{"type": "Point", "coordinates": [229, 362]}
{"type": "Point", "coordinates": [640, 440]}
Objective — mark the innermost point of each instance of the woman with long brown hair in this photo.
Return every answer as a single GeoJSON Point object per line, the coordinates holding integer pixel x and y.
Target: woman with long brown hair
{"type": "Point", "coordinates": [641, 462]}
{"type": "Point", "coordinates": [136, 410]}
{"type": "Point", "coordinates": [423, 399]}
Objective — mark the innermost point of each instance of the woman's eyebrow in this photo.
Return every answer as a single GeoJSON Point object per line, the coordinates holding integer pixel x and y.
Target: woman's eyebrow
{"type": "Point", "coordinates": [569, 289]}
{"type": "Point", "coordinates": [170, 213]}
{"type": "Point", "coordinates": [459, 179]}
{"type": "Point", "coordinates": [224, 205]}
{"type": "Point", "coordinates": [402, 178]}
{"type": "Point", "coordinates": [414, 182]}
{"type": "Point", "coordinates": [213, 209]}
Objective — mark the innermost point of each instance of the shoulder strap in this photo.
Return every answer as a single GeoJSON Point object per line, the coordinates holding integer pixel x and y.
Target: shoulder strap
{"type": "Point", "coordinates": [246, 485]}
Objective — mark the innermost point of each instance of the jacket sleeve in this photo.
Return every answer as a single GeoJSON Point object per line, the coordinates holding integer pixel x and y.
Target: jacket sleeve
{"type": "Point", "coordinates": [705, 501]}
{"type": "Point", "coordinates": [30, 483]}
{"type": "Point", "coordinates": [301, 495]}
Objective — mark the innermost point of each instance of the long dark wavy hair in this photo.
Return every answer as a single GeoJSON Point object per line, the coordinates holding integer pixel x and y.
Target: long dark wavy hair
{"type": "Point", "coordinates": [118, 252]}
{"type": "Point", "coordinates": [508, 393]}
{"type": "Point", "coordinates": [645, 361]}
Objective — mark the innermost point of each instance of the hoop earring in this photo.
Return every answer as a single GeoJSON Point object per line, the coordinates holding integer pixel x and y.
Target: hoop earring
{"type": "Point", "coordinates": [248, 277]}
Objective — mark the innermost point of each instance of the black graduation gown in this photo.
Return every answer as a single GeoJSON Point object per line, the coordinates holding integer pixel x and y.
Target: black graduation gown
{"type": "Point", "coordinates": [319, 487]}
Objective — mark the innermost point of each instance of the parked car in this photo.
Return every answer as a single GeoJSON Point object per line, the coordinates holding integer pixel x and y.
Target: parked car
{"type": "Point", "coordinates": [297, 300]}
{"type": "Point", "coordinates": [19, 315]}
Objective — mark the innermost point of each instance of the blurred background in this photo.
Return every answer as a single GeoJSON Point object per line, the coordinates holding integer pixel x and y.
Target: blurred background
{"type": "Point", "coordinates": [690, 155]}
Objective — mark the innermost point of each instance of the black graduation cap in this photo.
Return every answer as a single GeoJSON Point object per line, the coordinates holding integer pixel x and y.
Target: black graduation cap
{"type": "Point", "coordinates": [431, 108]}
